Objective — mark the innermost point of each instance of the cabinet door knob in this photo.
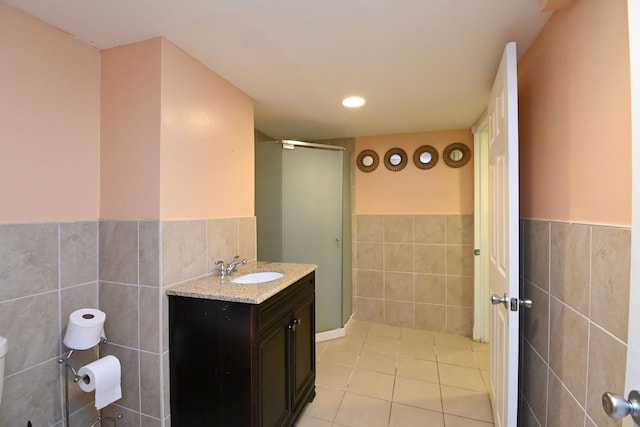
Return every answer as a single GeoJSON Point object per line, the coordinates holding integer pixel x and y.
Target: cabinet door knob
{"type": "Point", "coordinates": [294, 324]}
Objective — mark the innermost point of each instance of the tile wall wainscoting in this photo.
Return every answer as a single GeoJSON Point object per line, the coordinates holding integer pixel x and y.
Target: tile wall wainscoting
{"type": "Point", "coordinates": [414, 271]}
{"type": "Point", "coordinates": [573, 340]}
{"type": "Point", "coordinates": [48, 270]}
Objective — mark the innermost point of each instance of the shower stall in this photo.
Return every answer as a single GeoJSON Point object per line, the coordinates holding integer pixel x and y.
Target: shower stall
{"type": "Point", "coordinates": [303, 215]}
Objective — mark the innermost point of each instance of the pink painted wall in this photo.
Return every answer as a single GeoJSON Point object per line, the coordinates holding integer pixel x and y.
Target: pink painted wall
{"type": "Point", "coordinates": [575, 117]}
{"type": "Point", "coordinates": [49, 123]}
{"type": "Point", "coordinates": [130, 132]}
{"type": "Point", "coordinates": [207, 154]}
{"type": "Point", "coordinates": [177, 140]}
{"type": "Point", "coordinates": [440, 190]}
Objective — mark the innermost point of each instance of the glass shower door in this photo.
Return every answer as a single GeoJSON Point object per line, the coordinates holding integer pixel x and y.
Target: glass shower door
{"type": "Point", "coordinates": [312, 224]}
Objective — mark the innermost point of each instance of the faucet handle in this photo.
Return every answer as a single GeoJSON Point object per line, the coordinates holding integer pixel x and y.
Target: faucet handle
{"type": "Point", "coordinates": [222, 269]}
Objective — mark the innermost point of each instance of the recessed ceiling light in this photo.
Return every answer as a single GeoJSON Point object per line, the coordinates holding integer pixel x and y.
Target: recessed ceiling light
{"type": "Point", "coordinates": [353, 102]}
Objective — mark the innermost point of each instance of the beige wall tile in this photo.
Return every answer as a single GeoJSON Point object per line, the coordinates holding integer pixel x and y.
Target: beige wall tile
{"type": "Point", "coordinates": [563, 408]}
{"type": "Point", "coordinates": [222, 241]}
{"type": "Point", "coordinates": [429, 229]}
{"type": "Point", "coordinates": [31, 326]}
{"type": "Point", "coordinates": [149, 250]}
{"type": "Point", "coordinates": [607, 359]}
{"type": "Point", "coordinates": [534, 381]}
{"type": "Point", "coordinates": [369, 309]}
{"type": "Point", "coordinates": [120, 304]}
{"type": "Point", "coordinates": [570, 264]}
{"type": "Point", "coordinates": [568, 340]}
{"type": "Point", "coordinates": [247, 247]}
{"type": "Point", "coordinates": [130, 382]}
{"type": "Point", "coordinates": [399, 313]}
{"type": "Point", "coordinates": [431, 288]}
{"type": "Point", "coordinates": [398, 257]}
{"type": "Point", "coordinates": [526, 418]}
{"type": "Point", "coordinates": [150, 384]}
{"type": "Point", "coordinates": [184, 254]}
{"type": "Point", "coordinates": [417, 272]}
{"type": "Point", "coordinates": [399, 286]}
{"type": "Point", "coordinates": [536, 253]}
{"type": "Point", "coordinates": [430, 259]}
{"type": "Point", "coordinates": [150, 318]}
{"type": "Point", "coordinates": [536, 319]}
{"type": "Point", "coordinates": [398, 228]}
{"type": "Point", "coordinates": [460, 291]}
{"type": "Point", "coordinates": [459, 320]}
{"type": "Point", "coordinates": [610, 275]}
{"type": "Point", "coordinates": [28, 259]}
{"type": "Point", "coordinates": [369, 256]}
{"type": "Point", "coordinates": [370, 283]}
{"type": "Point", "coordinates": [20, 397]}
{"type": "Point", "coordinates": [369, 228]}
{"type": "Point", "coordinates": [460, 260]}
{"type": "Point", "coordinates": [459, 229]}
{"type": "Point", "coordinates": [119, 251]}
{"type": "Point", "coordinates": [431, 317]}
{"type": "Point", "coordinates": [78, 255]}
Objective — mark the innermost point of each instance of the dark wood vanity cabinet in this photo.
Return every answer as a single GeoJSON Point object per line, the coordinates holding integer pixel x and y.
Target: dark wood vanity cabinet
{"type": "Point", "coordinates": [237, 364]}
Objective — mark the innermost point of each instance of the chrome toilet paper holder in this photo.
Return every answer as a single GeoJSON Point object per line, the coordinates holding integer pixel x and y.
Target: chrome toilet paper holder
{"type": "Point", "coordinates": [77, 378]}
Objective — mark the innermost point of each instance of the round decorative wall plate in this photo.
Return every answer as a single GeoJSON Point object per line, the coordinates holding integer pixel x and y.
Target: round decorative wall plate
{"type": "Point", "coordinates": [456, 155]}
{"type": "Point", "coordinates": [367, 160]}
{"type": "Point", "coordinates": [395, 159]}
{"type": "Point", "coordinates": [425, 157]}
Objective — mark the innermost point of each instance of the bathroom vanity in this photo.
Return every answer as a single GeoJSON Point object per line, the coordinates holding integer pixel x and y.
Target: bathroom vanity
{"type": "Point", "coordinates": [243, 354]}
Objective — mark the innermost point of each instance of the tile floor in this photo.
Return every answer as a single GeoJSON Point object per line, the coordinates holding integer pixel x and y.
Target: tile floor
{"type": "Point", "coordinates": [386, 376]}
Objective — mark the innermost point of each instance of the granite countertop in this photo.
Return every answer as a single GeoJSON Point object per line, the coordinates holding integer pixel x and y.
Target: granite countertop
{"type": "Point", "coordinates": [217, 288]}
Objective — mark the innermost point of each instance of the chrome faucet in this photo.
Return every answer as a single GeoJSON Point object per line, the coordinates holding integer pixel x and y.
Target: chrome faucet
{"type": "Point", "coordinates": [228, 268]}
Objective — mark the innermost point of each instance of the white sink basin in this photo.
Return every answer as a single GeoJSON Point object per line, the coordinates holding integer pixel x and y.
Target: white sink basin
{"type": "Point", "coordinates": [257, 277]}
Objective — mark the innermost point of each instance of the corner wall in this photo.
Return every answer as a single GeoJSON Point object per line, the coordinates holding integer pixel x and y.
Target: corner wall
{"type": "Point", "coordinates": [50, 129]}
{"type": "Point", "coordinates": [575, 174]}
{"type": "Point", "coordinates": [413, 237]}
{"type": "Point", "coordinates": [57, 255]}
{"type": "Point", "coordinates": [49, 181]}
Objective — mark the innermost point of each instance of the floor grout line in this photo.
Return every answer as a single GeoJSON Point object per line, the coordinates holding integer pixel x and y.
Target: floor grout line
{"type": "Point", "coordinates": [394, 348]}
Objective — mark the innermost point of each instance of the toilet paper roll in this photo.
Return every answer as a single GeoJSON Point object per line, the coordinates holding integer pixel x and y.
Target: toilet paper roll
{"type": "Point", "coordinates": [103, 377]}
{"type": "Point", "coordinates": [84, 329]}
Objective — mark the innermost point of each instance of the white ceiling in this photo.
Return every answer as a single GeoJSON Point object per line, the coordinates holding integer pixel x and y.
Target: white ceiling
{"type": "Point", "coordinates": [422, 65]}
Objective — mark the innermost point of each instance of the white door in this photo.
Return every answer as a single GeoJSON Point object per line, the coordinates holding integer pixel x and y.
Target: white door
{"type": "Point", "coordinates": [503, 240]}
{"type": "Point", "coordinates": [633, 348]}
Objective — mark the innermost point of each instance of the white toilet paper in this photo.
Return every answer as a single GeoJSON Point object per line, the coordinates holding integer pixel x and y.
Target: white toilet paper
{"type": "Point", "coordinates": [85, 328]}
{"type": "Point", "coordinates": [103, 376]}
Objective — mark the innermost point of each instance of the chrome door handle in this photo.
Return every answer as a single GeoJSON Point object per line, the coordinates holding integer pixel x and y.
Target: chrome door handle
{"type": "Point", "coordinates": [618, 407]}
{"type": "Point", "coordinates": [526, 303]}
{"type": "Point", "coordinates": [495, 300]}
{"type": "Point", "coordinates": [511, 303]}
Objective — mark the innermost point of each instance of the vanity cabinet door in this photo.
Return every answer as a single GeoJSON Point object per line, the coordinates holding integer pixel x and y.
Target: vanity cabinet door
{"type": "Point", "coordinates": [303, 345]}
{"type": "Point", "coordinates": [273, 372]}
